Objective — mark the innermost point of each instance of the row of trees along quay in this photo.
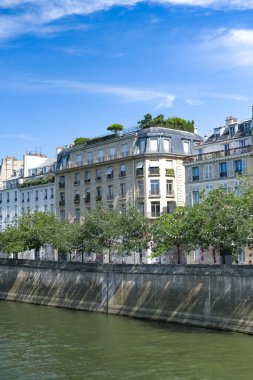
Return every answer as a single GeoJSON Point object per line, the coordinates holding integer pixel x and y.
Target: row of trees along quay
{"type": "Point", "coordinates": [222, 220]}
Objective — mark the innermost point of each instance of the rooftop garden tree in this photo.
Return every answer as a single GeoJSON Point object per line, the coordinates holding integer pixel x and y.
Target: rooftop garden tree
{"type": "Point", "coordinates": [116, 128]}
{"type": "Point", "coordinates": [171, 122]}
{"type": "Point", "coordinates": [81, 140]}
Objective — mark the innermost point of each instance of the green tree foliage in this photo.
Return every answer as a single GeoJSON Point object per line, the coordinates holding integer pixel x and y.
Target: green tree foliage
{"type": "Point", "coordinates": [12, 241]}
{"type": "Point", "coordinates": [136, 230]}
{"type": "Point", "coordinates": [101, 231]}
{"type": "Point", "coordinates": [116, 128]}
{"type": "Point", "coordinates": [171, 122]}
{"type": "Point", "coordinates": [221, 220]}
{"type": "Point", "coordinates": [81, 140]}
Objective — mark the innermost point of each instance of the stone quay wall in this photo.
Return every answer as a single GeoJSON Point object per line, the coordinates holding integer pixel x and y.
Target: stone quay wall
{"type": "Point", "coordinates": [208, 296]}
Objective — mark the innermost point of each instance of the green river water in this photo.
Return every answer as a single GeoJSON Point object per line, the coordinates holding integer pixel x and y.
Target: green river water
{"type": "Point", "coordinates": [38, 342]}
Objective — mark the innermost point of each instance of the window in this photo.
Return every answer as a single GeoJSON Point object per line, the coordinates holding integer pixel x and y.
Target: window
{"type": "Point", "coordinates": [186, 146]}
{"type": "Point", "coordinates": [208, 172]}
{"type": "Point", "coordinates": [110, 194]}
{"type": "Point", "coordinates": [142, 145]}
{"type": "Point", "coordinates": [45, 208]}
{"type": "Point", "coordinates": [112, 152]}
{"type": "Point", "coordinates": [227, 150]}
{"type": "Point", "coordinates": [90, 157]}
{"type": "Point", "coordinates": [52, 208]}
{"type": "Point", "coordinates": [98, 193]}
{"type": "Point", "coordinates": [87, 196]}
{"type": "Point", "coordinates": [242, 145]}
{"type": "Point", "coordinates": [153, 145]}
{"type": "Point", "coordinates": [122, 170]}
{"type": "Point", "coordinates": [109, 172]}
{"type": "Point", "coordinates": [16, 210]}
{"type": "Point", "coordinates": [247, 128]}
{"type": "Point", "coordinates": [155, 209]}
{"type": "Point", "coordinates": [223, 170]}
{"type": "Point", "coordinates": [79, 160]}
{"type": "Point", "coordinates": [77, 179]}
{"type": "Point", "coordinates": [169, 164]}
{"type": "Point", "coordinates": [87, 176]}
{"type": "Point", "coordinates": [51, 193]}
{"type": "Point", "coordinates": [195, 173]}
{"type": "Point", "coordinates": [195, 197]}
{"type": "Point", "coordinates": [45, 193]}
{"type": "Point", "coordinates": [8, 197]}
{"type": "Point", "coordinates": [155, 187]}
{"type": "Point", "coordinates": [166, 145]}
{"type": "Point", "coordinates": [124, 150]}
{"type": "Point", "coordinates": [36, 208]}
{"type": "Point", "coordinates": [139, 168]}
{"type": "Point", "coordinates": [1, 198]}
{"type": "Point", "coordinates": [23, 197]}
{"type": "Point", "coordinates": [36, 195]}
{"type": "Point", "coordinates": [122, 190]}
{"type": "Point", "coordinates": [170, 207]}
{"type": "Point", "coordinates": [140, 192]}
{"type": "Point", "coordinates": [101, 155]}
{"type": "Point", "coordinates": [238, 166]}
{"type": "Point", "coordinates": [98, 175]}
{"type": "Point", "coordinates": [77, 197]}
{"type": "Point", "coordinates": [232, 130]}
{"type": "Point", "coordinates": [15, 196]}
{"type": "Point", "coordinates": [7, 211]}
{"type": "Point", "coordinates": [62, 181]}
{"type": "Point", "coordinates": [28, 210]}
{"type": "Point", "coordinates": [62, 199]}
{"type": "Point", "coordinates": [154, 168]}
{"type": "Point", "coordinates": [62, 214]}
{"type": "Point", "coordinates": [28, 196]}
{"type": "Point", "coordinates": [141, 207]}
{"type": "Point", "coordinates": [77, 215]}
{"type": "Point", "coordinates": [169, 188]}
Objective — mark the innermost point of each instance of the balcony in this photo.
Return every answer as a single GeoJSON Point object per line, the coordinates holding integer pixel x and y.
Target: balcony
{"type": "Point", "coordinates": [170, 194]}
{"type": "Point", "coordinates": [140, 194]}
{"type": "Point", "coordinates": [109, 176]}
{"type": "Point", "coordinates": [77, 199]}
{"type": "Point", "coordinates": [77, 182]}
{"type": "Point", "coordinates": [122, 196]}
{"type": "Point", "coordinates": [99, 178]}
{"type": "Point", "coordinates": [99, 198]}
{"type": "Point", "coordinates": [170, 172]}
{"type": "Point", "coordinates": [87, 180]}
{"type": "Point", "coordinates": [154, 171]}
{"type": "Point", "coordinates": [219, 154]}
{"type": "Point", "coordinates": [223, 174]}
{"type": "Point", "coordinates": [122, 174]}
{"type": "Point", "coordinates": [62, 202]}
{"type": "Point", "coordinates": [61, 185]}
{"type": "Point", "coordinates": [155, 194]}
{"type": "Point", "coordinates": [110, 197]}
{"type": "Point", "coordinates": [195, 177]}
{"type": "Point", "coordinates": [140, 172]}
{"type": "Point", "coordinates": [87, 198]}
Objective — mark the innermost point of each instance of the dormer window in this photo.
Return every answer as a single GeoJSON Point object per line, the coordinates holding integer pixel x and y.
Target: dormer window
{"type": "Point", "coordinates": [231, 130]}
{"type": "Point", "coordinates": [247, 128]}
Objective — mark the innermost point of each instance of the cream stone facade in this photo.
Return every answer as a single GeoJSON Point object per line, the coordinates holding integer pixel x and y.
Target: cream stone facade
{"type": "Point", "coordinates": [144, 168]}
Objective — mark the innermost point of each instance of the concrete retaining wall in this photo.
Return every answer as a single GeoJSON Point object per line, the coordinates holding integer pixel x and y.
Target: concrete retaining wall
{"type": "Point", "coordinates": [218, 297]}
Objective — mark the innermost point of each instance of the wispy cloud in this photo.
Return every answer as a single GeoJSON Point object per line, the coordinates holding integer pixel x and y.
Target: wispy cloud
{"type": "Point", "coordinates": [17, 137]}
{"type": "Point", "coordinates": [40, 16]}
{"type": "Point", "coordinates": [129, 94]}
{"type": "Point", "coordinates": [194, 102]}
{"type": "Point", "coordinates": [233, 47]}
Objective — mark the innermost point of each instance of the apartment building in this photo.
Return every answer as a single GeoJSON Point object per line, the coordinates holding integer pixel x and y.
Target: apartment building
{"type": "Point", "coordinates": [220, 160]}
{"type": "Point", "coordinates": [26, 190]}
{"type": "Point", "coordinates": [144, 168]}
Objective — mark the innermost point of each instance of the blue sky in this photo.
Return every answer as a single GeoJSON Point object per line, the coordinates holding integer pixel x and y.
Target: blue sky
{"type": "Point", "coordinates": [70, 68]}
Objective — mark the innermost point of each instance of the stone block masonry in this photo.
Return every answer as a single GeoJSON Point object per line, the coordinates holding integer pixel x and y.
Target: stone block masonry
{"type": "Point", "coordinates": [217, 297]}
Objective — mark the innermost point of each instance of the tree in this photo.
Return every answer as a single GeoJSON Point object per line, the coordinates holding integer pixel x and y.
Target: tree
{"type": "Point", "coordinates": [136, 230]}
{"type": "Point", "coordinates": [81, 140]}
{"type": "Point", "coordinates": [170, 230]}
{"type": "Point", "coordinates": [171, 122]}
{"type": "Point", "coordinates": [116, 128]}
{"type": "Point", "coordinates": [144, 123]}
{"type": "Point", "coordinates": [12, 241]}
{"type": "Point", "coordinates": [101, 231]}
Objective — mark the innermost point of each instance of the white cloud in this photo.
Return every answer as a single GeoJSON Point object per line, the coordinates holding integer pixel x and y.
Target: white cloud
{"type": "Point", "coordinates": [37, 16]}
{"type": "Point", "coordinates": [128, 94]}
{"type": "Point", "coordinates": [193, 102]}
{"type": "Point", "coordinates": [233, 47]}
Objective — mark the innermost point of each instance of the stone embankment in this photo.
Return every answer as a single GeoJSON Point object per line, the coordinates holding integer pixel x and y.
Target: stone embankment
{"type": "Point", "coordinates": [209, 296]}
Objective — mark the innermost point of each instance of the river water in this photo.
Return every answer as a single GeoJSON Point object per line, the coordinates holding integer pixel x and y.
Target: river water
{"type": "Point", "coordinates": [39, 342]}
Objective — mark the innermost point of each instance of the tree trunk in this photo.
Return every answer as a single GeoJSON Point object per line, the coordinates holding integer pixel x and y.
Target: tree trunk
{"type": "Point", "coordinates": [178, 254]}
